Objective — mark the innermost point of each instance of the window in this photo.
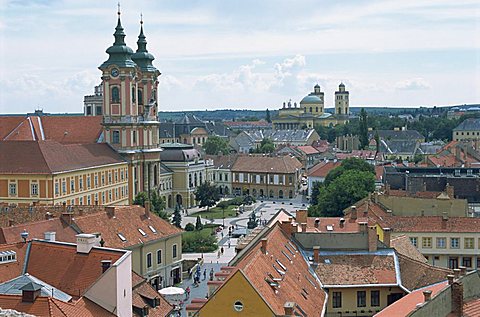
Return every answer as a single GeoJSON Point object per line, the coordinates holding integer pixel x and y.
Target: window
{"type": "Point", "coordinates": [88, 181]}
{"type": "Point", "coordinates": [149, 260]}
{"type": "Point", "coordinates": [115, 94]}
{"type": "Point", "coordinates": [34, 189]}
{"type": "Point", "coordinates": [57, 190]}
{"type": "Point", "coordinates": [133, 94]}
{"type": "Point", "coordinates": [414, 241]}
{"type": "Point", "coordinates": [116, 137]}
{"type": "Point", "coordinates": [103, 179]}
{"type": "Point", "coordinates": [238, 306]}
{"type": "Point", "coordinates": [64, 187]}
{"type": "Point", "coordinates": [426, 242]}
{"type": "Point", "coordinates": [72, 185]}
{"type": "Point", "coordinates": [375, 298]}
{"type": "Point", "coordinates": [159, 256]}
{"type": "Point", "coordinates": [99, 110]}
{"type": "Point", "coordinates": [441, 243]}
{"type": "Point", "coordinates": [80, 182]}
{"type": "Point", "coordinates": [89, 200]}
{"type": "Point", "coordinates": [80, 201]}
{"type": "Point", "coordinates": [454, 243]}
{"type": "Point", "coordinates": [337, 300]}
{"type": "Point", "coordinates": [134, 137]}
{"type": "Point", "coordinates": [174, 251]}
{"type": "Point", "coordinates": [469, 243]}
{"type": "Point", "coordinates": [96, 180]}
{"type": "Point", "coordinates": [467, 261]}
{"type": "Point", "coordinates": [361, 299]}
{"type": "Point", "coordinates": [109, 177]}
{"type": "Point", "coordinates": [140, 97]}
{"type": "Point", "coordinates": [13, 189]}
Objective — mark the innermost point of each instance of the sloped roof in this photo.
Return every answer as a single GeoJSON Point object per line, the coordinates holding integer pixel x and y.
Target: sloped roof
{"type": "Point", "coordinates": [403, 246]}
{"type": "Point", "coordinates": [8, 124]}
{"type": "Point", "coordinates": [142, 292]}
{"type": "Point", "coordinates": [127, 221]}
{"type": "Point", "coordinates": [222, 161]}
{"type": "Point", "coordinates": [37, 229]}
{"type": "Point", "coordinates": [433, 224]}
{"type": "Point", "coordinates": [468, 125]}
{"type": "Point", "coordinates": [307, 149]}
{"type": "Point", "coordinates": [322, 169]}
{"type": "Point", "coordinates": [398, 135]}
{"type": "Point", "coordinates": [416, 274]}
{"type": "Point", "coordinates": [13, 269]}
{"type": "Point", "coordinates": [47, 157]}
{"type": "Point", "coordinates": [334, 222]}
{"type": "Point", "coordinates": [15, 287]}
{"type": "Point", "coordinates": [258, 266]}
{"type": "Point", "coordinates": [265, 164]}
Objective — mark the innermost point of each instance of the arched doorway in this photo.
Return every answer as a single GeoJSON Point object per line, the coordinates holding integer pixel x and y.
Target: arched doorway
{"type": "Point", "coordinates": [271, 194]}
{"type": "Point", "coordinates": [261, 192]}
{"type": "Point", "coordinates": [280, 193]}
{"type": "Point", "coordinates": [227, 191]}
{"type": "Point", "coordinates": [179, 199]}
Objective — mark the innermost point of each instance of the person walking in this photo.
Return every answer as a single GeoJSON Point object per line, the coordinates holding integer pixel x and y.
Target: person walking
{"type": "Point", "coordinates": [229, 244]}
{"type": "Point", "coordinates": [218, 254]}
{"type": "Point", "coordinates": [204, 274]}
{"type": "Point", "coordinates": [221, 249]}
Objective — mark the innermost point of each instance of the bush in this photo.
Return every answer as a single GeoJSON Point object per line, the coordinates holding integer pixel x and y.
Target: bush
{"type": "Point", "coordinates": [199, 241]}
{"type": "Point", "coordinates": [189, 227]}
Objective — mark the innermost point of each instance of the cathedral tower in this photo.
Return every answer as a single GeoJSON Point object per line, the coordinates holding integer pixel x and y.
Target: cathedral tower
{"type": "Point", "coordinates": [341, 101]}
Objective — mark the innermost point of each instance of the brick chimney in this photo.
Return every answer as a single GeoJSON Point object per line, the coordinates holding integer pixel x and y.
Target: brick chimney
{"type": "Point", "coordinates": [30, 292]}
{"type": "Point", "coordinates": [427, 295]}
{"type": "Point", "coordinates": [64, 207]}
{"type": "Point", "coordinates": [106, 265]}
{"type": "Point", "coordinates": [463, 270]}
{"type": "Point", "coordinates": [263, 247]}
{"type": "Point", "coordinates": [372, 239]}
{"type": "Point", "coordinates": [449, 189]}
{"type": "Point", "coordinates": [67, 217]}
{"type": "Point", "coordinates": [301, 216]}
{"type": "Point", "coordinates": [48, 215]}
{"type": "Point", "coordinates": [353, 212]}
{"type": "Point", "coordinates": [304, 227]}
{"type": "Point", "coordinates": [387, 237]}
{"type": "Point", "coordinates": [363, 227]}
{"type": "Point", "coordinates": [456, 273]}
{"type": "Point", "coordinates": [110, 211]}
{"type": "Point", "coordinates": [147, 208]}
{"type": "Point", "coordinates": [450, 279]}
{"type": "Point", "coordinates": [317, 222]}
{"type": "Point", "coordinates": [316, 254]}
{"type": "Point", "coordinates": [288, 307]}
{"type": "Point", "coordinates": [457, 299]}
{"type": "Point", "coordinates": [288, 227]}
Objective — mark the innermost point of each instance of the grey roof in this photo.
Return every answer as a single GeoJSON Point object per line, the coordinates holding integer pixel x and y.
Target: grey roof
{"type": "Point", "coordinates": [468, 125]}
{"type": "Point", "coordinates": [399, 146]}
{"type": "Point", "coordinates": [280, 135]}
{"type": "Point", "coordinates": [165, 169]}
{"type": "Point", "coordinates": [189, 122]}
{"type": "Point", "coordinates": [177, 152]}
{"type": "Point", "coordinates": [29, 282]}
{"type": "Point", "coordinates": [189, 119]}
{"type": "Point", "coordinates": [311, 99]}
{"type": "Point", "coordinates": [398, 135]}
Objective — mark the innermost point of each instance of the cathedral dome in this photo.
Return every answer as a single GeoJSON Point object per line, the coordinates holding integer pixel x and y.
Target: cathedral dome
{"type": "Point", "coordinates": [311, 99]}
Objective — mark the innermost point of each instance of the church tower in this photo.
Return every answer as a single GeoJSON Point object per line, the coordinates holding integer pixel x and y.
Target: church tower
{"type": "Point", "coordinates": [130, 122]}
{"type": "Point", "coordinates": [341, 101]}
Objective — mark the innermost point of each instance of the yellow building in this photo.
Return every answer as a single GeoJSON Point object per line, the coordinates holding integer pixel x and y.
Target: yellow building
{"type": "Point", "coordinates": [47, 172]}
{"type": "Point", "coordinates": [467, 130]}
{"type": "Point", "coordinates": [311, 112]}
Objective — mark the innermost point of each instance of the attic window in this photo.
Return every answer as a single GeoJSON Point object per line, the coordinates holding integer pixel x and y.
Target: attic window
{"type": "Point", "coordinates": [122, 237]}
{"type": "Point", "coordinates": [142, 232]}
{"type": "Point", "coordinates": [293, 246]}
{"type": "Point", "coordinates": [8, 256]}
{"type": "Point", "coordinates": [329, 228]}
{"type": "Point", "coordinates": [327, 261]}
{"type": "Point", "coordinates": [153, 229]}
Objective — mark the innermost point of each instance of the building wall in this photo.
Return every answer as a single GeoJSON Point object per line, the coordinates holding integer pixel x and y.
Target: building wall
{"type": "Point", "coordinates": [70, 187]}
{"type": "Point", "coordinates": [256, 183]}
{"type": "Point", "coordinates": [466, 135]}
{"type": "Point", "coordinates": [165, 189]}
{"type": "Point", "coordinates": [440, 256]}
{"type": "Point", "coordinates": [414, 206]}
{"type": "Point", "coordinates": [349, 301]}
{"type": "Point", "coordinates": [236, 289]}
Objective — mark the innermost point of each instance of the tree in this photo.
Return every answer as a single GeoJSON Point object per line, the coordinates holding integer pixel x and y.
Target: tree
{"type": "Point", "coordinates": [267, 116]}
{"type": "Point", "coordinates": [363, 129]}
{"type": "Point", "coordinates": [189, 227]}
{"type": "Point", "coordinates": [216, 145]}
{"type": "Point", "coordinates": [157, 203]}
{"type": "Point", "coordinates": [352, 163]}
{"type": "Point", "coordinates": [207, 195]}
{"type": "Point", "coordinates": [315, 191]}
{"type": "Point", "coordinates": [198, 224]}
{"type": "Point", "coordinates": [177, 217]}
{"type": "Point", "coordinates": [266, 146]}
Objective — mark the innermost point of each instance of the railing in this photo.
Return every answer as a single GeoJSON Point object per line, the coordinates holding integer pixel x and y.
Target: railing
{"type": "Point", "coordinates": [127, 119]}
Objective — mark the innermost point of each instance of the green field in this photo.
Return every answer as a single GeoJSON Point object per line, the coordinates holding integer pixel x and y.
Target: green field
{"type": "Point", "coordinates": [200, 241]}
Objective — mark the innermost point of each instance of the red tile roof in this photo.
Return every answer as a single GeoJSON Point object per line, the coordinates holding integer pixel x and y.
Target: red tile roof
{"type": "Point", "coordinates": [262, 164]}
{"type": "Point", "coordinates": [416, 274]}
{"type": "Point", "coordinates": [471, 308]}
{"type": "Point", "coordinates": [127, 221]}
{"type": "Point", "coordinates": [143, 293]}
{"type": "Point", "coordinates": [356, 269]}
{"type": "Point", "coordinates": [37, 229]}
{"type": "Point", "coordinates": [257, 266]}
{"type": "Point", "coordinates": [8, 124]}
{"type": "Point", "coordinates": [11, 270]}
{"type": "Point", "coordinates": [347, 226]}
{"type": "Point", "coordinates": [407, 304]}
{"type": "Point", "coordinates": [47, 157]}
{"type": "Point", "coordinates": [307, 149]}
{"type": "Point", "coordinates": [72, 129]}
{"type": "Point", "coordinates": [75, 273]}
{"type": "Point", "coordinates": [418, 194]}
{"type": "Point", "coordinates": [322, 169]}
{"type": "Point", "coordinates": [433, 224]}
{"type": "Point", "coordinates": [403, 246]}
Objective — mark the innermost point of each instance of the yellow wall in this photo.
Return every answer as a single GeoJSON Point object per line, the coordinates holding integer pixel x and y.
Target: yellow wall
{"type": "Point", "coordinates": [237, 288]}
{"type": "Point", "coordinates": [413, 206]}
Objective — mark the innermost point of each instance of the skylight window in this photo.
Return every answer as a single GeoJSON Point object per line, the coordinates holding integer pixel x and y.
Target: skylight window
{"type": "Point", "coordinates": [327, 261]}
{"type": "Point", "coordinates": [153, 229]}
{"type": "Point", "coordinates": [142, 232]}
{"type": "Point", "coordinates": [278, 270]}
{"type": "Point", "coordinates": [289, 250]}
{"type": "Point", "coordinates": [122, 237]}
{"type": "Point", "coordinates": [282, 266]}
{"type": "Point", "coordinates": [293, 246]}
{"type": "Point", "coordinates": [287, 256]}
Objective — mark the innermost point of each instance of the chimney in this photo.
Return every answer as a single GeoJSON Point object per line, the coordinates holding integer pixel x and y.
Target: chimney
{"type": "Point", "coordinates": [342, 222]}
{"type": "Point", "coordinates": [110, 211]}
{"type": "Point", "coordinates": [147, 208]}
{"type": "Point", "coordinates": [287, 227]}
{"type": "Point", "coordinates": [288, 307]}
{"type": "Point", "coordinates": [85, 242]}
{"type": "Point", "coordinates": [463, 270]}
{"type": "Point", "coordinates": [427, 295]}
{"type": "Point", "coordinates": [263, 247]}
{"type": "Point", "coordinates": [48, 215]}
{"type": "Point", "coordinates": [456, 273]}
{"type": "Point", "coordinates": [67, 217]}
{"type": "Point", "coordinates": [353, 212]}
{"type": "Point", "coordinates": [30, 292]}
{"type": "Point", "coordinates": [11, 222]}
{"type": "Point", "coordinates": [457, 299]}
{"type": "Point", "coordinates": [363, 226]}
{"type": "Point", "coordinates": [450, 191]}
{"type": "Point", "coordinates": [316, 254]}
{"type": "Point", "coordinates": [64, 207]}
{"type": "Point", "coordinates": [301, 216]}
{"type": "Point", "coordinates": [317, 222]}
{"type": "Point", "coordinates": [450, 278]}
{"type": "Point", "coordinates": [50, 236]}
{"type": "Point", "coordinates": [304, 227]}
{"type": "Point", "coordinates": [106, 265]}
{"type": "Point", "coordinates": [372, 239]}
{"type": "Point", "coordinates": [387, 236]}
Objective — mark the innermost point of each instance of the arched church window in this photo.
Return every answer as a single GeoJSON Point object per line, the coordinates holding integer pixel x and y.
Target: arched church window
{"type": "Point", "coordinates": [310, 109]}
{"type": "Point", "coordinates": [115, 94]}
{"type": "Point", "coordinates": [133, 94]}
{"type": "Point", "coordinates": [140, 97]}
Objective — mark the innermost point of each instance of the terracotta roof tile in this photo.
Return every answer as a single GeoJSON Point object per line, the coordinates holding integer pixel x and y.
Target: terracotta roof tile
{"type": "Point", "coordinates": [408, 303]}
{"type": "Point", "coordinates": [471, 308]}
{"type": "Point", "coordinates": [222, 161]}
{"type": "Point", "coordinates": [418, 194]}
{"type": "Point", "coordinates": [403, 246]}
{"type": "Point", "coordinates": [75, 273]}
{"type": "Point", "coordinates": [143, 293]}
{"type": "Point", "coordinates": [433, 224]}
{"type": "Point", "coordinates": [11, 270]}
{"type": "Point", "coordinates": [127, 221]}
{"type": "Point", "coordinates": [307, 149]}
{"type": "Point", "coordinates": [257, 266]}
{"type": "Point", "coordinates": [72, 129]}
{"type": "Point", "coordinates": [347, 226]}
{"type": "Point", "coordinates": [322, 169]}
{"type": "Point", "coordinates": [356, 269]}
{"type": "Point", "coordinates": [416, 274]}
{"type": "Point", "coordinates": [8, 124]}
{"type": "Point", "coordinates": [37, 229]}
{"type": "Point", "coordinates": [261, 164]}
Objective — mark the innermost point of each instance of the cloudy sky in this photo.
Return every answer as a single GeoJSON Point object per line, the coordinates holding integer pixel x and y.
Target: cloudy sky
{"type": "Point", "coordinates": [241, 54]}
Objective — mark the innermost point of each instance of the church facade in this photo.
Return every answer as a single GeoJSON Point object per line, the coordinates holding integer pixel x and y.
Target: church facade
{"type": "Point", "coordinates": [311, 111]}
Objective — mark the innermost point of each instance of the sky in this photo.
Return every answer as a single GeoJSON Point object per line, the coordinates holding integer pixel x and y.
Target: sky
{"type": "Point", "coordinates": [245, 54]}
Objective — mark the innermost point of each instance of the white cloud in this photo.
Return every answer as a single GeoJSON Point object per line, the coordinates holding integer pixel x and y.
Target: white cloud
{"type": "Point", "coordinates": [413, 84]}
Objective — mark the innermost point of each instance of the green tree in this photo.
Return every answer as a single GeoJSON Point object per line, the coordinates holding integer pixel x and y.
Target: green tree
{"type": "Point", "coordinates": [198, 224]}
{"type": "Point", "coordinates": [315, 191]}
{"type": "Point", "coordinates": [348, 164]}
{"type": "Point", "coordinates": [157, 203]}
{"type": "Point", "coordinates": [216, 145]}
{"type": "Point", "coordinates": [177, 217]}
{"type": "Point", "coordinates": [266, 146]}
{"type": "Point", "coordinates": [363, 129]}
{"type": "Point", "coordinates": [343, 191]}
{"type": "Point", "coordinates": [207, 195]}
{"type": "Point", "coordinates": [189, 227]}
{"type": "Point", "coordinates": [267, 116]}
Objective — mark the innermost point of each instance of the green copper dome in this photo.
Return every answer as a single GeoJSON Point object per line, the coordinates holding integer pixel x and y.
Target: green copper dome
{"type": "Point", "coordinates": [142, 57]}
{"type": "Point", "coordinates": [310, 99]}
{"type": "Point", "coordinates": [119, 53]}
